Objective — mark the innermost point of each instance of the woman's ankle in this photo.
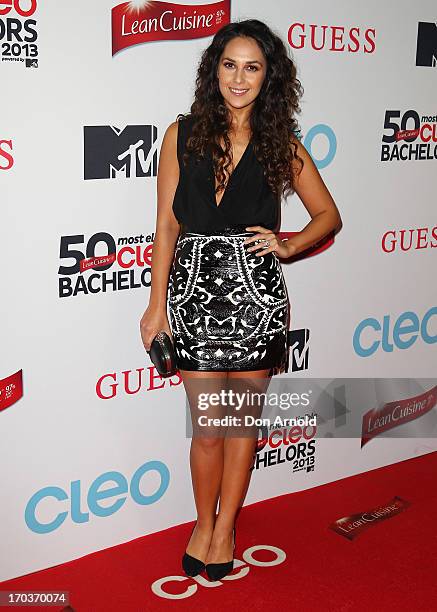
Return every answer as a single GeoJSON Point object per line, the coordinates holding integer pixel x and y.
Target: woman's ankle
{"type": "Point", "coordinates": [205, 523]}
{"type": "Point", "coordinates": [223, 528]}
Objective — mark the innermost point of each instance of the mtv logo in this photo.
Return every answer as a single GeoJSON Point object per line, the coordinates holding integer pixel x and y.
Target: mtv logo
{"type": "Point", "coordinates": [110, 152]}
{"type": "Point", "coordinates": [426, 53]}
{"type": "Point", "coordinates": [298, 342]}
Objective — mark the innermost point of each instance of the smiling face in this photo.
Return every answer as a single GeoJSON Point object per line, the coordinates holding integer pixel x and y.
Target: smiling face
{"type": "Point", "coordinates": [241, 72]}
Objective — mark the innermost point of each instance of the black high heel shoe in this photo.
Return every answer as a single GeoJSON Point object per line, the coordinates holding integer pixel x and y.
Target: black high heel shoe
{"type": "Point", "coordinates": [216, 571]}
{"type": "Point", "coordinates": [190, 564]}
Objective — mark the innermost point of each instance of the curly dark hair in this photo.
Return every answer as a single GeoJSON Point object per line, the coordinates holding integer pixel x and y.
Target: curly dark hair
{"type": "Point", "coordinates": [272, 120]}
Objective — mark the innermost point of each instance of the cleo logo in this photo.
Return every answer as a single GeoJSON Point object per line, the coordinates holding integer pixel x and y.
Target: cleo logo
{"type": "Point", "coordinates": [49, 507]}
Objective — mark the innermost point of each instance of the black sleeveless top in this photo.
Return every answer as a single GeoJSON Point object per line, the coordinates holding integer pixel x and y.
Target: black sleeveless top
{"type": "Point", "coordinates": [247, 199]}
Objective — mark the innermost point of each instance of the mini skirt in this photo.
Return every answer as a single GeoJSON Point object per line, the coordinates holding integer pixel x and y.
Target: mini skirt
{"type": "Point", "coordinates": [228, 308]}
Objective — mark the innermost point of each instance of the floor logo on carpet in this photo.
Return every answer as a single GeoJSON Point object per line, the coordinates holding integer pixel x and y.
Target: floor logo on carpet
{"type": "Point", "coordinates": [159, 586]}
{"type": "Point", "coordinates": [351, 526]}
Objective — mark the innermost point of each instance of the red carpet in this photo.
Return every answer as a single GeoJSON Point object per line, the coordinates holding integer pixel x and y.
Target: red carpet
{"type": "Point", "coordinates": [390, 566]}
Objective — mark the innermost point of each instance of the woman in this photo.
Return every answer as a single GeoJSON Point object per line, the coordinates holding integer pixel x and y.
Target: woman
{"type": "Point", "coordinates": [223, 170]}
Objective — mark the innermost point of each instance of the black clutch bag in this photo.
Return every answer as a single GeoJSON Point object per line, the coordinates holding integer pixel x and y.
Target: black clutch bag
{"type": "Point", "coordinates": [162, 354]}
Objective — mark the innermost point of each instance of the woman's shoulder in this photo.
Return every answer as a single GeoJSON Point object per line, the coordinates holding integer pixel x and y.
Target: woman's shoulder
{"type": "Point", "coordinates": [184, 118]}
{"type": "Point", "coordinates": [182, 125]}
{"type": "Point", "coordinates": [170, 137]}
{"type": "Point", "coordinates": [177, 133]}
{"type": "Point", "coordinates": [181, 118]}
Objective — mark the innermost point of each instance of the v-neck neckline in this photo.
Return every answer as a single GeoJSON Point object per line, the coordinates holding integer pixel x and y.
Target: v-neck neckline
{"type": "Point", "coordinates": [214, 195]}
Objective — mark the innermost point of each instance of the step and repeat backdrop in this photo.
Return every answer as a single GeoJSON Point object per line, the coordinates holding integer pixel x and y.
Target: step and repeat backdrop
{"type": "Point", "coordinates": [94, 449]}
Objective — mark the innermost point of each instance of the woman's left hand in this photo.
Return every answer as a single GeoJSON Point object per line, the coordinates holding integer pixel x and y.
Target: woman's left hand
{"type": "Point", "coordinates": [284, 248]}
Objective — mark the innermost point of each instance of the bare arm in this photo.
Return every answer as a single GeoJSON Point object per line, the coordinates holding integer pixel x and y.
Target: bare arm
{"type": "Point", "coordinates": [316, 198]}
{"type": "Point", "coordinates": [167, 230]}
{"type": "Point", "coordinates": [167, 226]}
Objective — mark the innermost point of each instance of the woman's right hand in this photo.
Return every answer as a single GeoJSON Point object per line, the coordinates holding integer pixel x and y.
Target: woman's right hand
{"type": "Point", "coordinates": [153, 321]}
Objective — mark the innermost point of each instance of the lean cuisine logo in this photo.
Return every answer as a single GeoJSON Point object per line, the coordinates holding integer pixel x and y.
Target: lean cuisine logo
{"type": "Point", "coordinates": [140, 21]}
{"type": "Point", "coordinates": [394, 414]}
{"type": "Point", "coordinates": [352, 526]}
{"type": "Point", "coordinates": [11, 389]}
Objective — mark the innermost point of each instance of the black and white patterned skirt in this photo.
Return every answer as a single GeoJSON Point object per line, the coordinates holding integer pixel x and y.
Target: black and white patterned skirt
{"type": "Point", "coordinates": [228, 308]}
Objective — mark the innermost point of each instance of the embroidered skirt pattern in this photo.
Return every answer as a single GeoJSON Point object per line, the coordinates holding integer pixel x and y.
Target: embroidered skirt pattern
{"type": "Point", "coordinates": [228, 308]}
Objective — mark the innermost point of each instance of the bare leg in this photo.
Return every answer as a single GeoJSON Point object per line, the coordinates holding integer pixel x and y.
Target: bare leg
{"type": "Point", "coordinates": [238, 455]}
{"type": "Point", "coordinates": [206, 461]}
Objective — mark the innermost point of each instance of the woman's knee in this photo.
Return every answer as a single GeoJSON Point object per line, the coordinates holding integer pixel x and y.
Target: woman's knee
{"type": "Point", "coordinates": [206, 443]}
